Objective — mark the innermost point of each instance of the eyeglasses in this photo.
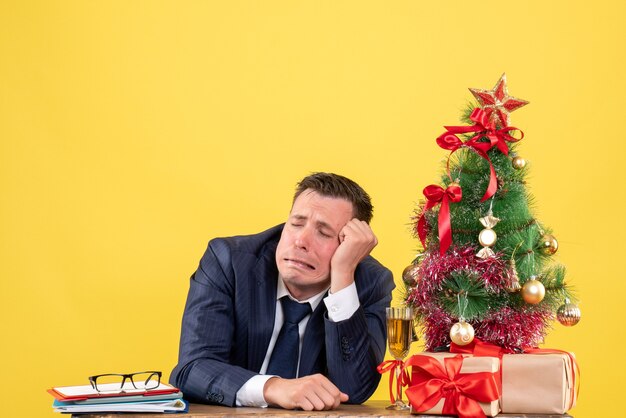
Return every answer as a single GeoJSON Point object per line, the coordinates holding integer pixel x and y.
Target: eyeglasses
{"type": "Point", "coordinates": [120, 383]}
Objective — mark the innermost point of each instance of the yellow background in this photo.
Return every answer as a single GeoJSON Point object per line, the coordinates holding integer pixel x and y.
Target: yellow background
{"type": "Point", "coordinates": [131, 132]}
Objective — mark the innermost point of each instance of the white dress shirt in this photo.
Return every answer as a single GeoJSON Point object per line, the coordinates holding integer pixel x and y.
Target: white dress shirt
{"type": "Point", "coordinates": [341, 306]}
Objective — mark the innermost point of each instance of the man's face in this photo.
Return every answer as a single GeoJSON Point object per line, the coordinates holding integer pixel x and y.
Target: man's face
{"type": "Point", "coordinates": [309, 240]}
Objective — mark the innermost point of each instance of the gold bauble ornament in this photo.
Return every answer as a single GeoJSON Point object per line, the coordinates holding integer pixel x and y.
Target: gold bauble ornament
{"type": "Point", "coordinates": [409, 275]}
{"type": "Point", "coordinates": [548, 245]}
{"type": "Point", "coordinates": [518, 162]}
{"type": "Point", "coordinates": [533, 291]}
{"type": "Point", "coordinates": [462, 333]}
{"type": "Point", "coordinates": [568, 314]}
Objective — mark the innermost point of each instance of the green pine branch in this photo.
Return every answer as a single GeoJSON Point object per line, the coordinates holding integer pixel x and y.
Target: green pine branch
{"type": "Point", "coordinates": [464, 294]}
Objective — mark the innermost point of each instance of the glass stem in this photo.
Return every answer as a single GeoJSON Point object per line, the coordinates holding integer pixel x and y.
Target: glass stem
{"type": "Point", "coordinates": [399, 384]}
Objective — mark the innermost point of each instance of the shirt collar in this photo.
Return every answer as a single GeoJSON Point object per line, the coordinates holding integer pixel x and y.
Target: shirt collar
{"type": "Point", "coordinates": [313, 300]}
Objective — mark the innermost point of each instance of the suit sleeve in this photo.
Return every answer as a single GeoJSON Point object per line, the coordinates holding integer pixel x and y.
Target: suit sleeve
{"type": "Point", "coordinates": [356, 346]}
{"type": "Point", "coordinates": [203, 372]}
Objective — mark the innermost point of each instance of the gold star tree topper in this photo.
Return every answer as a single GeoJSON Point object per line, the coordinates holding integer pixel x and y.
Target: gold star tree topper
{"type": "Point", "coordinates": [497, 102]}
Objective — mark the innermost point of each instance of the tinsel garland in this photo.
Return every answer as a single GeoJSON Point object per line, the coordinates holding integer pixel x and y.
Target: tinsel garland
{"type": "Point", "coordinates": [507, 327]}
{"type": "Point", "coordinates": [515, 329]}
{"type": "Point", "coordinates": [435, 267]}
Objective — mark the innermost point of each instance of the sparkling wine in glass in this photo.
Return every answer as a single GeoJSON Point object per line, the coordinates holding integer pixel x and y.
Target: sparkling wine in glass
{"type": "Point", "coordinates": [399, 338]}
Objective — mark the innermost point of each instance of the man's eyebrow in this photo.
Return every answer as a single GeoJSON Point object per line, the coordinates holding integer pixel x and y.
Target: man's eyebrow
{"type": "Point", "coordinates": [323, 224]}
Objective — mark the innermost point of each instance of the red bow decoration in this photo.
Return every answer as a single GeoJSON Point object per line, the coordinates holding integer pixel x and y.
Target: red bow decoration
{"type": "Point", "coordinates": [435, 194]}
{"type": "Point", "coordinates": [403, 377]}
{"type": "Point", "coordinates": [479, 348]}
{"type": "Point", "coordinates": [462, 392]}
{"type": "Point", "coordinates": [483, 128]}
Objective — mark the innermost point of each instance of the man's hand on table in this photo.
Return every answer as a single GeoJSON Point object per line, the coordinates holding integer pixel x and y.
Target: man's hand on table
{"type": "Point", "coordinates": [309, 393]}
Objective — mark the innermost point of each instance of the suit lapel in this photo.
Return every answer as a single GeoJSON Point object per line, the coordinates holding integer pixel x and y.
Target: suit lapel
{"type": "Point", "coordinates": [263, 309]}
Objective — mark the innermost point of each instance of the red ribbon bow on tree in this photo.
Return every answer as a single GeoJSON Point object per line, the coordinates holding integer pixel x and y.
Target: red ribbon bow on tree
{"type": "Point", "coordinates": [435, 194]}
{"type": "Point", "coordinates": [462, 392]}
{"type": "Point", "coordinates": [403, 377]}
{"type": "Point", "coordinates": [483, 128]}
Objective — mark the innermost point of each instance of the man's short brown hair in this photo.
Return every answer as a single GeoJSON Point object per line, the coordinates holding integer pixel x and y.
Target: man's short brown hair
{"type": "Point", "coordinates": [334, 185]}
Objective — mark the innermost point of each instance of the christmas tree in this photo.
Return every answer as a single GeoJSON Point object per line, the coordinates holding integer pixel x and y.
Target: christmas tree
{"type": "Point", "coordinates": [487, 268]}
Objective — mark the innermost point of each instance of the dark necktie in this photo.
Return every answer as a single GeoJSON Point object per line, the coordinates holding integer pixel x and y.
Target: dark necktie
{"type": "Point", "coordinates": [284, 359]}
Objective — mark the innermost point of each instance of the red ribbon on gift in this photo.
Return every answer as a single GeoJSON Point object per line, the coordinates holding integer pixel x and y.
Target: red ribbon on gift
{"type": "Point", "coordinates": [462, 392]}
{"type": "Point", "coordinates": [483, 128]}
{"type": "Point", "coordinates": [435, 194]}
{"type": "Point", "coordinates": [479, 348]}
{"type": "Point", "coordinates": [403, 376]}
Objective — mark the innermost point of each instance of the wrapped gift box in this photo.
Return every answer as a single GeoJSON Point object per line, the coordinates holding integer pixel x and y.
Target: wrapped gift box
{"type": "Point", "coordinates": [538, 383]}
{"type": "Point", "coordinates": [470, 365]}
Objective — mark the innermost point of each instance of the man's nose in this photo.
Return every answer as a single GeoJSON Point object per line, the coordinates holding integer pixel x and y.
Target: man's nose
{"type": "Point", "coordinates": [303, 238]}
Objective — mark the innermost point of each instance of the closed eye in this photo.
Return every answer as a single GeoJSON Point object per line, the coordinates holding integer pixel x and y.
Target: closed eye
{"type": "Point", "coordinates": [325, 234]}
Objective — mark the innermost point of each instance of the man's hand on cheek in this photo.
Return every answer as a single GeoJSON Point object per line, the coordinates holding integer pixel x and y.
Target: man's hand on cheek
{"type": "Point", "coordinates": [356, 241]}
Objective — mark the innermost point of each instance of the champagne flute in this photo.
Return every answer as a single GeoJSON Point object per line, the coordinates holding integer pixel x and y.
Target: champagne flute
{"type": "Point", "coordinates": [399, 338]}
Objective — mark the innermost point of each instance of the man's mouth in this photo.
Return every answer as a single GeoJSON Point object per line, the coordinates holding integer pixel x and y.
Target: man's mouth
{"type": "Point", "coordinates": [300, 263]}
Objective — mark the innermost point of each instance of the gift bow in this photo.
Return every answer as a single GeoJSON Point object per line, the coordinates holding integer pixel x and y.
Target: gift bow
{"type": "Point", "coordinates": [479, 348]}
{"type": "Point", "coordinates": [435, 194]}
{"type": "Point", "coordinates": [462, 392]}
{"type": "Point", "coordinates": [483, 128]}
{"type": "Point", "coordinates": [403, 376]}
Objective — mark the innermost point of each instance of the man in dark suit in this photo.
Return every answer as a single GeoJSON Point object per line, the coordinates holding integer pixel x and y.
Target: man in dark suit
{"type": "Point", "coordinates": [236, 331]}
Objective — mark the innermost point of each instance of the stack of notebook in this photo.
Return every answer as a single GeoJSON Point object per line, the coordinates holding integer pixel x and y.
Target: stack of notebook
{"type": "Point", "coordinates": [85, 399]}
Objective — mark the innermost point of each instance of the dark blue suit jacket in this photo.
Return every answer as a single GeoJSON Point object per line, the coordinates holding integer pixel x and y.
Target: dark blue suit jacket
{"type": "Point", "coordinates": [229, 317]}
